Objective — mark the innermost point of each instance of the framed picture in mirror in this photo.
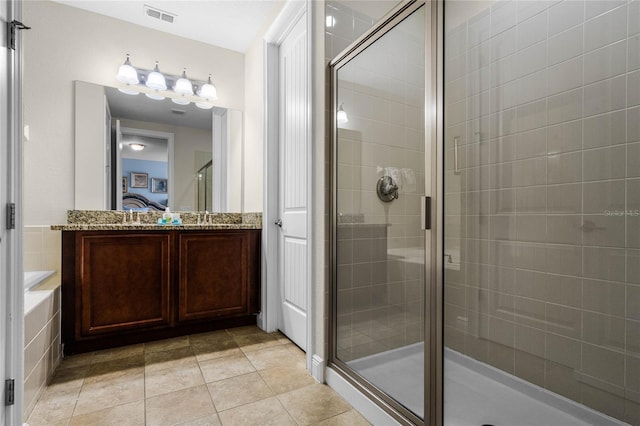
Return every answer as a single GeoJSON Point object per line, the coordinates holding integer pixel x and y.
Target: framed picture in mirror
{"type": "Point", "coordinates": [139, 180]}
{"type": "Point", "coordinates": [159, 185]}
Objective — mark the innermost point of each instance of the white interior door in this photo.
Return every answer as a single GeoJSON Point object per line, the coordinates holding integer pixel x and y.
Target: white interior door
{"type": "Point", "coordinates": [293, 197]}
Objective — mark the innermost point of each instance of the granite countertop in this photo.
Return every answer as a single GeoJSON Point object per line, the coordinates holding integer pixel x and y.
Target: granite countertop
{"type": "Point", "coordinates": [109, 220]}
{"type": "Point", "coordinates": [150, 227]}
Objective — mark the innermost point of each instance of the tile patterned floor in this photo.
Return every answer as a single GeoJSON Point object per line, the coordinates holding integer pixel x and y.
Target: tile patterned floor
{"type": "Point", "coordinates": [240, 376]}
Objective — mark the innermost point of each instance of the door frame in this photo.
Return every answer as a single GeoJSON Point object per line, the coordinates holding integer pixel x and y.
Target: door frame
{"type": "Point", "coordinates": [367, 397]}
{"type": "Point", "coordinates": [271, 309]}
{"type": "Point", "coordinates": [12, 275]}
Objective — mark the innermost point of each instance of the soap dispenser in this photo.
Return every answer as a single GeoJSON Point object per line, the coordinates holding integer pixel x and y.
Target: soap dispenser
{"type": "Point", "coordinates": [167, 217]}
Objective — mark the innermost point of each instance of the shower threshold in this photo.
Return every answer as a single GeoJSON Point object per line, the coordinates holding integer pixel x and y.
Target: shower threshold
{"type": "Point", "coordinates": [474, 393]}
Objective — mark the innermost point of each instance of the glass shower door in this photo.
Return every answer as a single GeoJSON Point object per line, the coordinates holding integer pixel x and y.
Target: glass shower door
{"type": "Point", "coordinates": [379, 181]}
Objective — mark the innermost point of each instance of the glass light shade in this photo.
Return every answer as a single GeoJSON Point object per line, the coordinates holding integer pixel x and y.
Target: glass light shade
{"type": "Point", "coordinates": [155, 80]}
{"type": "Point", "coordinates": [342, 116]}
{"type": "Point", "coordinates": [208, 91]}
{"type": "Point", "coordinates": [180, 101]}
{"type": "Point", "coordinates": [127, 74]}
{"type": "Point", "coordinates": [183, 85]}
{"type": "Point", "coordinates": [136, 146]}
{"type": "Point", "coordinates": [154, 96]}
{"type": "Point", "coordinates": [204, 105]}
{"type": "Point", "coordinates": [128, 91]}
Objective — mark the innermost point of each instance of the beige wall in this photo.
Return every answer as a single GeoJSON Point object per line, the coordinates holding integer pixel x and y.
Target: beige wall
{"type": "Point", "coordinates": [68, 44]}
{"type": "Point", "coordinates": [254, 125]}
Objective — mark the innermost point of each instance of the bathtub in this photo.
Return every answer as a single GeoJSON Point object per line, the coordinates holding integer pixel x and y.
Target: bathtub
{"type": "Point", "coordinates": [33, 298]}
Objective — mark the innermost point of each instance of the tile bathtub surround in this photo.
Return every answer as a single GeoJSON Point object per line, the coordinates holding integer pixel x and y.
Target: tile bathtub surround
{"type": "Point", "coordinates": [230, 377]}
{"type": "Point", "coordinates": [542, 100]}
{"type": "Point", "coordinates": [42, 349]}
{"type": "Point", "coordinates": [42, 249]}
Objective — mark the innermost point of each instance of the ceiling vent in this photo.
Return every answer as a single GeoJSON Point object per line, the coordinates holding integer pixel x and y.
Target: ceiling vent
{"type": "Point", "coordinates": [155, 13]}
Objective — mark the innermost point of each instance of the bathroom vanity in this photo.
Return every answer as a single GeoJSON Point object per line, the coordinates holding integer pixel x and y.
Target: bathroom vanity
{"type": "Point", "coordinates": [129, 283]}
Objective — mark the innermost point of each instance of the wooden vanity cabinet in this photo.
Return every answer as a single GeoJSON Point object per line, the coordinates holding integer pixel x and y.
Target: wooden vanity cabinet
{"type": "Point", "coordinates": [124, 287]}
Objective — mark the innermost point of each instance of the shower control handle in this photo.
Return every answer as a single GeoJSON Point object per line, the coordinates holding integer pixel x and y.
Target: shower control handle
{"type": "Point", "coordinates": [279, 223]}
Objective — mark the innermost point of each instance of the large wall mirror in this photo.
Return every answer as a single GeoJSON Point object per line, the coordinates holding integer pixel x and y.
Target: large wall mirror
{"type": "Point", "coordinates": [155, 153]}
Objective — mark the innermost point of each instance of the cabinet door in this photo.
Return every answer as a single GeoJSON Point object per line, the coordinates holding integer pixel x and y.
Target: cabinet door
{"type": "Point", "coordinates": [123, 282]}
{"type": "Point", "coordinates": [213, 275]}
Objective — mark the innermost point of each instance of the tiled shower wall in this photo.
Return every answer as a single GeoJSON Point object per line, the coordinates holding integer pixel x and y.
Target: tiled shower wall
{"type": "Point", "coordinates": [543, 205]}
{"type": "Point", "coordinates": [380, 263]}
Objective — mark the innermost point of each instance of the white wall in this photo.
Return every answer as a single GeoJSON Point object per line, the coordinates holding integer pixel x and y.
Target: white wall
{"type": "Point", "coordinates": [254, 120]}
{"type": "Point", "coordinates": [67, 44]}
{"type": "Point", "coordinates": [254, 125]}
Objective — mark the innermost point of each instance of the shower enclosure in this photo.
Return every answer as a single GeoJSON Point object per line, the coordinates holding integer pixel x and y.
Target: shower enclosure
{"type": "Point", "coordinates": [379, 238]}
{"type": "Point", "coordinates": [530, 149]}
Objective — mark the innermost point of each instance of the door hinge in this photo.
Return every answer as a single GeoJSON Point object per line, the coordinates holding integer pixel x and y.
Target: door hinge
{"type": "Point", "coordinates": [11, 215]}
{"type": "Point", "coordinates": [14, 26]}
{"type": "Point", "coordinates": [9, 392]}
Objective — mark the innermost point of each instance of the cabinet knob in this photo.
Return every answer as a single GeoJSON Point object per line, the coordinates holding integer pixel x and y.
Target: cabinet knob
{"type": "Point", "coordinates": [279, 222]}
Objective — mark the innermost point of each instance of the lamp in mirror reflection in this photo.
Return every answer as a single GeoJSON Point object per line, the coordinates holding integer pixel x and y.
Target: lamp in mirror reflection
{"type": "Point", "coordinates": [136, 146]}
{"type": "Point", "coordinates": [342, 115]}
{"type": "Point", "coordinates": [159, 83]}
{"type": "Point", "coordinates": [330, 21]}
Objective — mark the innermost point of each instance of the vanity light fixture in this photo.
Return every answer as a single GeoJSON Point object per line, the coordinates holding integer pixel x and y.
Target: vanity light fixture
{"type": "Point", "coordinates": [342, 115]}
{"type": "Point", "coordinates": [158, 82]}
{"type": "Point", "coordinates": [136, 146]}
{"type": "Point", "coordinates": [183, 85]}
{"type": "Point", "coordinates": [127, 74]}
{"type": "Point", "coordinates": [209, 93]}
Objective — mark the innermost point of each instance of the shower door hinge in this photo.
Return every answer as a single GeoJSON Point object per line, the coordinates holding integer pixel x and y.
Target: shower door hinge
{"type": "Point", "coordinates": [426, 213]}
{"type": "Point", "coordinates": [11, 215]}
{"type": "Point", "coordinates": [13, 27]}
{"type": "Point", "coordinates": [9, 392]}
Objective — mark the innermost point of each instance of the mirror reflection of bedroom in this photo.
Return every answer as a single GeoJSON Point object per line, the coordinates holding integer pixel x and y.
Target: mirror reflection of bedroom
{"type": "Point", "coordinates": [157, 153]}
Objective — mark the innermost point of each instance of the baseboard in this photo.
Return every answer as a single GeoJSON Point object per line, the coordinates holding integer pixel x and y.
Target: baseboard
{"type": "Point", "coordinates": [369, 410]}
{"type": "Point", "coordinates": [318, 368]}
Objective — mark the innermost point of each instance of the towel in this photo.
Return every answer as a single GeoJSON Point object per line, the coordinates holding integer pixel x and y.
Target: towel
{"type": "Point", "coordinates": [409, 180]}
{"type": "Point", "coordinates": [395, 175]}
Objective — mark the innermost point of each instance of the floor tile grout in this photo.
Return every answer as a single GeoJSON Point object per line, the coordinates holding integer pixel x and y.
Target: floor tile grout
{"type": "Point", "coordinates": [249, 341]}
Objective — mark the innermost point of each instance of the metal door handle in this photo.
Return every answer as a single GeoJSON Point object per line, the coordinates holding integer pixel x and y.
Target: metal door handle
{"type": "Point", "coordinates": [279, 222]}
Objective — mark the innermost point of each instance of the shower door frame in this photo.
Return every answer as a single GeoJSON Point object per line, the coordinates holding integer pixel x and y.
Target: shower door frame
{"type": "Point", "coordinates": [433, 309]}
